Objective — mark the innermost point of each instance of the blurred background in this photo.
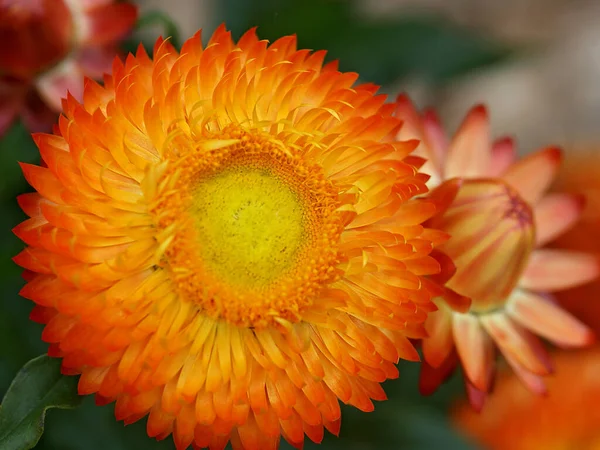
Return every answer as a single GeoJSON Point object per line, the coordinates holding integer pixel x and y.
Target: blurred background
{"type": "Point", "coordinates": [535, 63]}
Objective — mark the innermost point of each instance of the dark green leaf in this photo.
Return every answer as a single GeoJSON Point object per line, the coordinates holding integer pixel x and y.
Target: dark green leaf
{"type": "Point", "coordinates": [38, 386]}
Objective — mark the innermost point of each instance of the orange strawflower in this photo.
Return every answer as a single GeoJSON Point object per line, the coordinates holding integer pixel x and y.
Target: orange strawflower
{"type": "Point", "coordinates": [48, 48]}
{"type": "Point", "coordinates": [566, 419]}
{"type": "Point", "coordinates": [499, 221]}
{"type": "Point", "coordinates": [225, 240]}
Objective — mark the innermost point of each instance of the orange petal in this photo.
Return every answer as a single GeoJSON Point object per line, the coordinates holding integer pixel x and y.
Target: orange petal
{"type": "Point", "coordinates": [513, 339]}
{"type": "Point", "coordinates": [435, 136]}
{"type": "Point", "coordinates": [413, 127]}
{"type": "Point", "coordinates": [532, 175]}
{"type": "Point", "coordinates": [503, 155]}
{"type": "Point", "coordinates": [444, 195]}
{"type": "Point", "coordinates": [555, 214]}
{"type": "Point", "coordinates": [469, 151]}
{"type": "Point", "coordinates": [475, 349]}
{"type": "Point", "coordinates": [547, 319]}
{"type": "Point", "coordinates": [431, 378]}
{"type": "Point", "coordinates": [552, 270]}
{"type": "Point", "coordinates": [533, 382]}
{"type": "Point", "coordinates": [439, 344]}
{"type": "Point", "coordinates": [476, 397]}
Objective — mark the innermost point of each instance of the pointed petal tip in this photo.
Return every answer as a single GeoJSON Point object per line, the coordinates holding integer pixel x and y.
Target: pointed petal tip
{"type": "Point", "coordinates": [476, 397]}
{"type": "Point", "coordinates": [589, 338]}
{"type": "Point", "coordinates": [554, 154]}
{"type": "Point", "coordinates": [479, 111]}
{"type": "Point", "coordinates": [586, 338]}
{"type": "Point", "coordinates": [403, 99]}
{"type": "Point", "coordinates": [507, 141]}
{"type": "Point", "coordinates": [431, 115]}
{"type": "Point", "coordinates": [414, 143]}
{"type": "Point", "coordinates": [444, 194]}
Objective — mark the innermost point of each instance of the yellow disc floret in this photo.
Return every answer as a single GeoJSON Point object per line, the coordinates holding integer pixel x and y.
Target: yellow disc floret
{"type": "Point", "coordinates": [251, 229]}
{"type": "Point", "coordinates": [250, 226]}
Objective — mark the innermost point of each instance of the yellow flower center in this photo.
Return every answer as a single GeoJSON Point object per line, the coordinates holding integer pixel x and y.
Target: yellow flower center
{"type": "Point", "coordinates": [493, 234]}
{"type": "Point", "coordinates": [249, 227]}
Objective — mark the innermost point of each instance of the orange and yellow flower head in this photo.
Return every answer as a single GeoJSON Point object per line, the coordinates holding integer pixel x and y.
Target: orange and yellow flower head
{"type": "Point", "coordinates": [225, 240]}
{"type": "Point", "coordinates": [499, 220]}
{"type": "Point", "coordinates": [49, 46]}
{"type": "Point", "coordinates": [567, 418]}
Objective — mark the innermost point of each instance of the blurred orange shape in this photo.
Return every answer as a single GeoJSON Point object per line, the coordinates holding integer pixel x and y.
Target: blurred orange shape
{"type": "Point", "coordinates": [566, 418]}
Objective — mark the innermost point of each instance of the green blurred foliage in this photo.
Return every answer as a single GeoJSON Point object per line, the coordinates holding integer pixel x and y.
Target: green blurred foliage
{"type": "Point", "coordinates": [19, 337]}
{"type": "Point", "coordinates": [381, 52]}
{"type": "Point", "coordinates": [38, 386]}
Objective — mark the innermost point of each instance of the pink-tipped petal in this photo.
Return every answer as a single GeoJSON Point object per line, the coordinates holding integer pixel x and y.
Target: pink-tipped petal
{"type": "Point", "coordinates": [475, 349]}
{"type": "Point", "coordinates": [503, 155]}
{"type": "Point", "coordinates": [476, 397]}
{"type": "Point", "coordinates": [435, 135]}
{"type": "Point", "coordinates": [532, 175]}
{"type": "Point", "coordinates": [469, 152]}
{"type": "Point", "coordinates": [547, 319]}
{"type": "Point", "coordinates": [553, 270]}
{"type": "Point", "coordinates": [520, 344]}
{"type": "Point", "coordinates": [413, 128]}
{"type": "Point", "coordinates": [555, 214]}
{"type": "Point", "coordinates": [439, 344]}
{"type": "Point", "coordinates": [534, 383]}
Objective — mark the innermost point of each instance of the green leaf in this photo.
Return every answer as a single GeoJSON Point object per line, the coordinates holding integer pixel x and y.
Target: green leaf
{"type": "Point", "coordinates": [38, 386]}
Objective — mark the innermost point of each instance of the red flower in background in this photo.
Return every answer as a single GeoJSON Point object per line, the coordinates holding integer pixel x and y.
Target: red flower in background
{"type": "Point", "coordinates": [49, 46]}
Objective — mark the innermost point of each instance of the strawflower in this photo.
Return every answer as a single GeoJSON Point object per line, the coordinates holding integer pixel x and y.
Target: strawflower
{"type": "Point", "coordinates": [500, 221]}
{"type": "Point", "coordinates": [566, 419]}
{"type": "Point", "coordinates": [48, 46]}
{"type": "Point", "coordinates": [225, 240]}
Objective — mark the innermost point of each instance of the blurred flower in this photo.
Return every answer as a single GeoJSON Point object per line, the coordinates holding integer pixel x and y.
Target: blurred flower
{"type": "Point", "coordinates": [48, 48]}
{"type": "Point", "coordinates": [225, 239]}
{"type": "Point", "coordinates": [566, 419]}
{"type": "Point", "coordinates": [581, 173]}
{"type": "Point", "coordinates": [499, 221]}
